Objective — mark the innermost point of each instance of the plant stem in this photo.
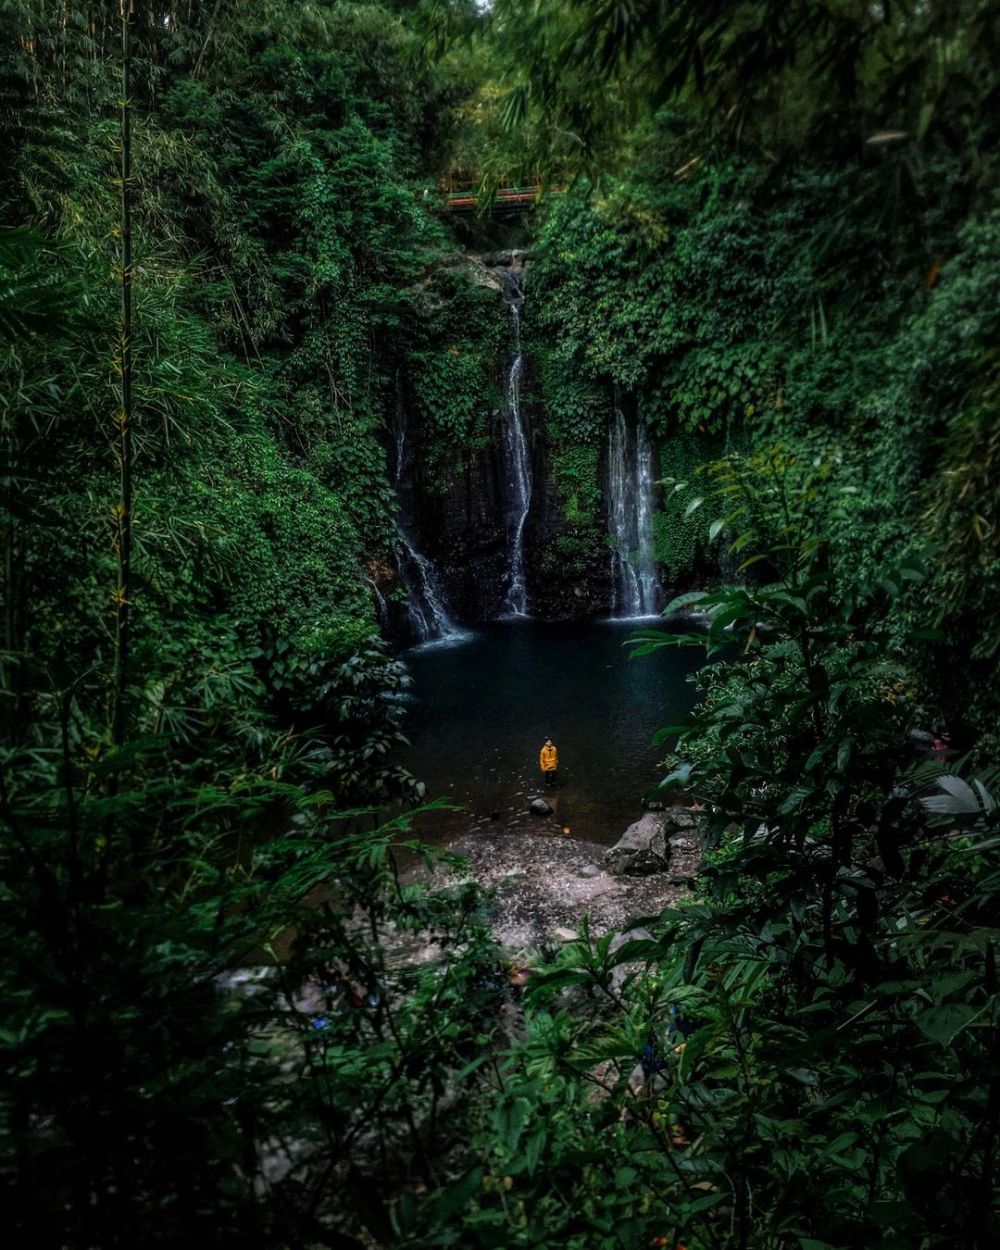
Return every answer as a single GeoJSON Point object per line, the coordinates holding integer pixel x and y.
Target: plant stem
{"type": "Point", "coordinates": [123, 419]}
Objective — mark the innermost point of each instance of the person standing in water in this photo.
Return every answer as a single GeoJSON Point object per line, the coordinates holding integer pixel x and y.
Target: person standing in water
{"type": "Point", "coordinates": [548, 761]}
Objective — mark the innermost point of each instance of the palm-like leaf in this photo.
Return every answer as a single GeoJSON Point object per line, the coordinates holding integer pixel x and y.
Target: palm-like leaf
{"type": "Point", "coordinates": [32, 291]}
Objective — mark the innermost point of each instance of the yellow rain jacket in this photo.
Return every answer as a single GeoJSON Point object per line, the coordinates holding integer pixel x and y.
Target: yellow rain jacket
{"type": "Point", "coordinates": [548, 759]}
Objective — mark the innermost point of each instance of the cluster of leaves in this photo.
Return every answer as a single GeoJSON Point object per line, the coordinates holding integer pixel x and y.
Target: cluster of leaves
{"type": "Point", "coordinates": [816, 302]}
{"type": "Point", "coordinates": [574, 471]}
{"type": "Point", "coordinates": [678, 535]}
{"type": "Point", "coordinates": [282, 247]}
{"type": "Point", "coordinates": [805, 1055]}
{"type": "Point", "coordinates": [576, 407]}
{"type": "Point", "coordinates": [149, 1074]}
{"type": "Point", "coordinates": [769, 78]}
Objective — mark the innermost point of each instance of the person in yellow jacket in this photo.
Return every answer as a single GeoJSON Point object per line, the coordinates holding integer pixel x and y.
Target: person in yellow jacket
{"type": "Point", "coordinates": [548, 761]}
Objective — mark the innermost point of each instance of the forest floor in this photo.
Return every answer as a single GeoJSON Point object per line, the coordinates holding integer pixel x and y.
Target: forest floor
{"type": "Point", "coordinates": [544, 884]}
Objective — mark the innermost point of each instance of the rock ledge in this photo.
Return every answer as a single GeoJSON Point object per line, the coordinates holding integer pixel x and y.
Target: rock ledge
{"type": "Point", "coordinates": [646, 847]}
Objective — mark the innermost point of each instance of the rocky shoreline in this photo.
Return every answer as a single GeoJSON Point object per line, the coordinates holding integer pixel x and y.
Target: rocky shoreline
{"type": "Point", "coordinates": [543, 883]}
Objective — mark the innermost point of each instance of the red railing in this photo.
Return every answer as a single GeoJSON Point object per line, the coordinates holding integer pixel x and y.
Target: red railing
{"type": "Point", "coordinates": [464, 194]}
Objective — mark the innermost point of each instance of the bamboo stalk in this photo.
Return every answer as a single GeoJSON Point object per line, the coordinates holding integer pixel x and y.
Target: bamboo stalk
{"type": "Point", "coordinates": [123, 419]}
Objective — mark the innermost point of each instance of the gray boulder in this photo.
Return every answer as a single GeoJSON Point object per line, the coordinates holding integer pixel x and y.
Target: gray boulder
{"type": "Point", "coordinates": [621, 972]}
{"type": "Point", "coordinates": [539, 807]}
{"type": "Point", "coordinates": [644, 848]}
{"type": "Point", "coordinates": [640, 1083]}
{"type": "Point", "coordinates": [676, 818]}
{"type": "Point", "coordinates": [641, 850]}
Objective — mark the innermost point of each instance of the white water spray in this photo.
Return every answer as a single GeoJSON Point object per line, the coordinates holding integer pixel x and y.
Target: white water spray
{"type": "Point", "coordinates": [635, 589]}
{"type": "Point", "coordinates": [425, 599]}
{"type": "Point", "coordinates": [426, 602]}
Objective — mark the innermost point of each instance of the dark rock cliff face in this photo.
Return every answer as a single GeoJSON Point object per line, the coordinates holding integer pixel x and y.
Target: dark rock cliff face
{"type": "Point", "coordinates": [463, 508]}
{"type": "Point", "coordinates": [571, 573]}
{"type": "Point", "coordinates": [462, 515]}
{"type": "Point", "coordinates": [459, 513]}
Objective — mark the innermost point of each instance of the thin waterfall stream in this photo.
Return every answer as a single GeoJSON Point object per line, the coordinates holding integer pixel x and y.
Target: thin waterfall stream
{"type": "Point", "coordinates": [517, 458]}
{"type": "Point", "coordinates": [426, 602]}
{"type": "Point", "coordinates": [630, 500]}
{"type": "Point", "coordinates": [635, 588]}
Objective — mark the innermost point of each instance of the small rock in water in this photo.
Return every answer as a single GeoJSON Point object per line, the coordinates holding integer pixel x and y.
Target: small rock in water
{"type": "Point", "coordinates": [562, 934]}
{"type": "Point", "coordinates": [539, 807]}
{"type": "Point", "coordinates": [589, 870]}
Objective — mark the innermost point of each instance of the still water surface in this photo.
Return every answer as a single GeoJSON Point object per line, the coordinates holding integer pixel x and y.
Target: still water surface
{"type": "Point", "coordinates": [481, 709]}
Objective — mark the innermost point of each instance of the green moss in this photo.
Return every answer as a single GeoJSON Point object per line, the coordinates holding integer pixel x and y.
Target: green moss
{"type": "Point", "coordinates": [679, 541]}
{"type": "Point", "coordinates": [575, 404]}
{"type": "Point", "coordinates": [574, 471]}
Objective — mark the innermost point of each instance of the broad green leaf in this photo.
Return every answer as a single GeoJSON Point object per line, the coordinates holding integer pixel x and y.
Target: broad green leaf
{"type": "Point", "coordinates": [633, 952]}
{"type": "Point", "coordinates": [741, 541]}
{"type": "Point", "coordinates": [841, 1143]}
{"type": "Point", "coordinates": [684, 601]}
{"type": "Point", "coordinates": [987, 800]}
{"type": "Point", "coordinates": [510, 1119]}
{"type": "Point", "coordinates": [678, 777]}
{"type": "Point", "coordinates": [455, 1197]}
{"type": "Point", "coordinates": [942, 1024]}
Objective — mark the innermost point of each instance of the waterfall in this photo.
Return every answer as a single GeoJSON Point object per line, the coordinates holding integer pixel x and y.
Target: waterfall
{"type": "Point", "coordinates": [426, 603]}
{"type": "Point", "coordinates": [381, 607]}
{"type": "Point", "coordinates": [425, 598]}
{"type": "Point", "coordinates": [517, 457]}
{"type": "Point", "coordinates": [635, 590]}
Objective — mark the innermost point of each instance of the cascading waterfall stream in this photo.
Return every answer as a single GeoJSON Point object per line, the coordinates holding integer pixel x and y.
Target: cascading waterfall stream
{"type": "Point", "coordinates": [426, 603]}
{"type": "Point", "coordinates": [425, 597]}
{"type": "Point", "coordinates": [635, 589]}
{"type": "Point", "coordinates": [381, 607]}
{"type": "Point", "coordinates": [517, 458]}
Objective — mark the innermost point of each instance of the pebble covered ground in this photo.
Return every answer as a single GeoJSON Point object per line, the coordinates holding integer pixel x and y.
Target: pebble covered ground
{"type": "Point", "coordinates": [545, 883]}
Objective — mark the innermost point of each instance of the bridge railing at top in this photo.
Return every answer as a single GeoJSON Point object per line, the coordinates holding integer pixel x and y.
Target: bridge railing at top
{"type": "Point", "coordinates": [466, 194]}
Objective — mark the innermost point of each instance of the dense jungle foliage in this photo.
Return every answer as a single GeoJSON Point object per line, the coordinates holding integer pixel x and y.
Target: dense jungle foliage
{"type": "Point", "coordinates": [225, 271]}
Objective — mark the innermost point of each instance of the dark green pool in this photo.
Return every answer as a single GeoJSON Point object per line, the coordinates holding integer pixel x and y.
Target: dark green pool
{"type": "Point", "coordinates": [482, 707]}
